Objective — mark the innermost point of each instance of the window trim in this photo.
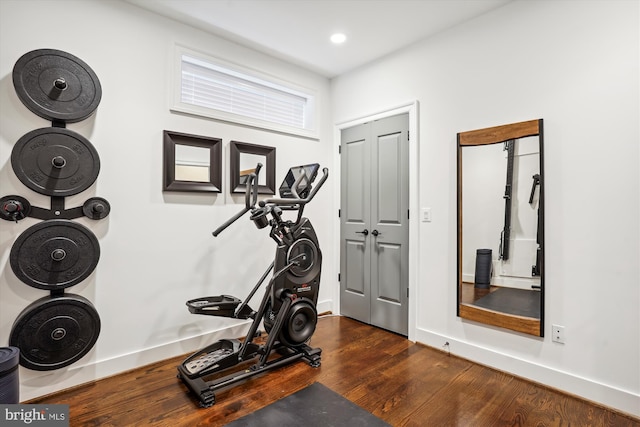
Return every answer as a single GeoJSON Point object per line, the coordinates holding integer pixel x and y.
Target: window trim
{"type": "Point", "coordinates": [252, 75]}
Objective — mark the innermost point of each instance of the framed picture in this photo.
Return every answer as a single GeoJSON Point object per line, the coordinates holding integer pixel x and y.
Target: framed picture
{"type": "Point", "coordinates": [243, 160]}
{"type": "Point", "coordinates": [192, 163]}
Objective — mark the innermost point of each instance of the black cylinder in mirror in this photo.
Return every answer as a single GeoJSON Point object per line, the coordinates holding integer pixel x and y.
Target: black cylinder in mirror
{"type": "Point", "coordinates": [483, 268]}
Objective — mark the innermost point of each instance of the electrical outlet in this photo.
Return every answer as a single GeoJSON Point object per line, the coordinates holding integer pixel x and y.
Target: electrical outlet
{"type": "Point", "coordinates": [557, 333]}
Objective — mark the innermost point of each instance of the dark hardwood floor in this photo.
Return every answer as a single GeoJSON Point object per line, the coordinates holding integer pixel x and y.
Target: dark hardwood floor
{"type": "Point", "coordinates": [402, 383]}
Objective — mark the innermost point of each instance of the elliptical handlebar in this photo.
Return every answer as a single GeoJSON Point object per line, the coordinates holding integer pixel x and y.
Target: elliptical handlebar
{"type": "Point", "coordinates": [251, 197]}
{"type": "Point", "coordinates": [250, 200]}
{"type": "Point", "coordinates": [298, 201]}
{"type": "Point", "coordinates": [251, 192]}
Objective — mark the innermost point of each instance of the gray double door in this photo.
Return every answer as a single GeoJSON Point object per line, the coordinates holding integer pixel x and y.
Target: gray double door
{"type": "Point", "coordinates": [374, 223]}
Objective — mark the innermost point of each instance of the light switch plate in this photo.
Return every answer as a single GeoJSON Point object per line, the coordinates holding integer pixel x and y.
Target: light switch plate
{"type": "Point", "coordinates": [426, 214]}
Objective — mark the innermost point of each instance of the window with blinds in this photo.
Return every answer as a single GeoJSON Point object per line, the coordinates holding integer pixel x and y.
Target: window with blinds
{"type": "Point", "coordinates": [213, 89]}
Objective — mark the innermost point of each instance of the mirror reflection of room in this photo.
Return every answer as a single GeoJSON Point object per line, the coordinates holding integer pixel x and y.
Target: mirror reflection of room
{"type": "Point", "coordinates": [192, 163]}
{"type": "Point", "coordinates": [500, 225]}
{"type": "Point", "coordinates": [248, 162]}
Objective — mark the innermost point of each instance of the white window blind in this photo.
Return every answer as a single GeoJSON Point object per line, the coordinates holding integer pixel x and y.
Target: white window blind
{"type": "Point", "coordinates": [208, 85]}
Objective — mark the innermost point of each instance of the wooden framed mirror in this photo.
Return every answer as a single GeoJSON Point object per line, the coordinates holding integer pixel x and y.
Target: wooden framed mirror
{"type": "Point", "coordinates": [242, 162]}
{"type": "Point", "coordinates": [192, 163]}
{"type": "Point", "coordinates": [501, 226]}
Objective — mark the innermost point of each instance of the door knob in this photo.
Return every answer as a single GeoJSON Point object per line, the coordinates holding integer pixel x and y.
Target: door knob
{"type": "Point", "coordinates": [365, 232]}
{"type": "Point", "coordinates": [375, 232]}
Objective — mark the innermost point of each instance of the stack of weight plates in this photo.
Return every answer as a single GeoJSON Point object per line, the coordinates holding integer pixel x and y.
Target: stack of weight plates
{"type": "Point", "coordinates": [57, 253]}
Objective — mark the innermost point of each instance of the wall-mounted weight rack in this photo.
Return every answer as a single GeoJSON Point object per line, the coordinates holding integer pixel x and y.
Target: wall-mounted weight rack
{"type": "Point", "coordinates": [60, 328]}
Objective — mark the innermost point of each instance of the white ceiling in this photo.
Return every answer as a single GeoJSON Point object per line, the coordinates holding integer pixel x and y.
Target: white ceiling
{"type": "Point", "coordinates": [298, 31]}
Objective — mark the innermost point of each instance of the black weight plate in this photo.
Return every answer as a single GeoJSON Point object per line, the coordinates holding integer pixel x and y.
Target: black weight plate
{"type": "Point", "coordinates": [56, 85]}
{"type": "Point", "coordinates": [14, 208]}
{"type": "Point", "coordinates": [55, 331]}
{"type": "Point", "coordinates": [55, 161]}
{"type": "Point", "coordinates": [54, 254]}
{"type": "Point", "coordinates": [96, 208]}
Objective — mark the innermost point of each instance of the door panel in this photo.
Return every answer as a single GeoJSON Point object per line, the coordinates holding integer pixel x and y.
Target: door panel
{"type": "Point", "coordinates": [389, 199]}
{"type": "Point", "coordinates": [375, 196]}
{"type": "Point", "coordinates": [389, 275]}
{"type": "Point", "coordinates": [355, 180]}
{"type": "Point", "coordinates": [390, 212]}
{"type": "Point", "coordinates": [354, 276]}
{"type": "Point", "coordinates": [354, 216]}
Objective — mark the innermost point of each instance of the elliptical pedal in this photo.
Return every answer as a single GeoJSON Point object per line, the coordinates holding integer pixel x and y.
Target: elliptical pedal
{"type": "Point", "coordinates": [207, 360]}
{"type": "Point", "coordinates": [217, 356]}
{"type": "Point", "coordinates": [221, 305]}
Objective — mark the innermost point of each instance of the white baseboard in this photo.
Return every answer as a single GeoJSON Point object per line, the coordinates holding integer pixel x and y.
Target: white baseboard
{"type": "Point", "coordinates": [325, 306]}
{"type": "Point", "coordinates": [612, 397]}
{"type": "Point", "coordinates": [34, 384]}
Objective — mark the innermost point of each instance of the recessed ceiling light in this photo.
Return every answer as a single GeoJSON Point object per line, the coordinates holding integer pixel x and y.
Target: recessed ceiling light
{"type": "Point", "coordinates": [338, 38]}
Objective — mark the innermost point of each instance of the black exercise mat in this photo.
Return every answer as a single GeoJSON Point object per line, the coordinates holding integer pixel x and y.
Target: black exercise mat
{"type": "Point", "coordinates": [313, 406]}
{"type": "Point", "coordinates": [520, 302]}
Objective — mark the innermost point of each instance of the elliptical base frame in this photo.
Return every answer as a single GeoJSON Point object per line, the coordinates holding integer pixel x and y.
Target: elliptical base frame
{"type": "Point", "coordinates": [205, 390]}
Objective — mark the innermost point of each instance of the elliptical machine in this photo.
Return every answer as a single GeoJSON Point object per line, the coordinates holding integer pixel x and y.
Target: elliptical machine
{"type": "Point", "coordinates": [288, 308]}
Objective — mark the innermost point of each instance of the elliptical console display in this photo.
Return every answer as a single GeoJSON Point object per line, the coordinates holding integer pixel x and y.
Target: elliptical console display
{"type": "Point", "coordinates": [288, 307]}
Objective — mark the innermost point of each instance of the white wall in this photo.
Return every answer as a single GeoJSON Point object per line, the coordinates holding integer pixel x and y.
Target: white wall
{"type": "Point", "coordinates": [157, 248]}
{"type": "Point", "coordinates": [574, 64]}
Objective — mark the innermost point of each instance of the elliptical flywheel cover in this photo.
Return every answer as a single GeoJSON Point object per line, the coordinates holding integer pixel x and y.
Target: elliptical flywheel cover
{"type": "Point", "coordinates": [300, 323]}
{"type": "Point", "coordinates": [56, 85]}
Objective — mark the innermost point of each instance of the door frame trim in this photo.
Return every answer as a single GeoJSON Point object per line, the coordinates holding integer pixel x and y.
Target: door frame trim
{"type": "Point", "coordinates": [414, 191]}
